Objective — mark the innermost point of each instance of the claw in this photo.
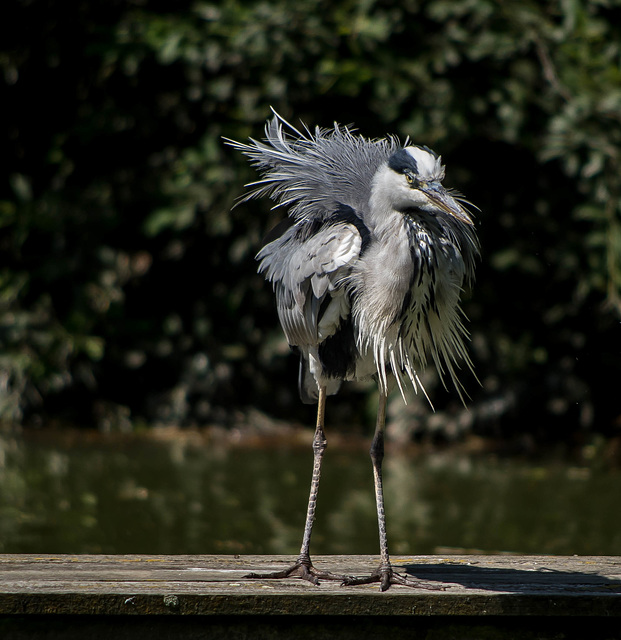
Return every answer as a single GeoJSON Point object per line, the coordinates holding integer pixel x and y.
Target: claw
{"type": "Point", "coordinates": [387, 577]}
{"type": "Point", "coordinates": [300, 569]}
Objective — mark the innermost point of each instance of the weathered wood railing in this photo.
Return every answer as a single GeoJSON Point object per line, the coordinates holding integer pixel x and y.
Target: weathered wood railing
{"type": "Point", "coordinates": [95, 597]}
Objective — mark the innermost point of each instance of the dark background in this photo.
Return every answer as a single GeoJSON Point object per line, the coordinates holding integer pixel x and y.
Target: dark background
{"type": "Point", "coordinates": [128, 287]}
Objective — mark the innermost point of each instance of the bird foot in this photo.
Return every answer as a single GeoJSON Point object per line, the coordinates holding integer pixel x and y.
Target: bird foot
{"type": "Point", "coordinates": [387, 577]}
{"type": "Point", "coordinates": [302, 569]}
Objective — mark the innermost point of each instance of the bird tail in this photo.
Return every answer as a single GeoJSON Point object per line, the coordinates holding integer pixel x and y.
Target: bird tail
{"type": "Point", "coordinates": [307, 385]}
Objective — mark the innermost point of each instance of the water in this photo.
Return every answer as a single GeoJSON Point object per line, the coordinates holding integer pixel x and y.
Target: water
{"type": "Point", "coordinates": [84, 494]}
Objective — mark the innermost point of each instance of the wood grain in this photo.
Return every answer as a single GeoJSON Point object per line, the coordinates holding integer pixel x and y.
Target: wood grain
{"type": "Point", "coordinates": [468, 585]}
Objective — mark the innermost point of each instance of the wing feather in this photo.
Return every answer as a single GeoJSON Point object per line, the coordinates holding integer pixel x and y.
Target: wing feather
{"type": "Point", "coordinates": [305, 269]}
{"type": "Point", "coordinates": [304, 171]}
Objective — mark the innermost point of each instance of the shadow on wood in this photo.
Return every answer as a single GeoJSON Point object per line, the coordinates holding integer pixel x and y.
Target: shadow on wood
{"type": "Point", "coordinates": [206, 596]}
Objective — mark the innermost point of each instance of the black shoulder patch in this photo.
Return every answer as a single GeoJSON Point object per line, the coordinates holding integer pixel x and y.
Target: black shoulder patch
{"type": "Point", "coordinates": [345, 213]}
{"type": "Point", "coordinates": [302, 230]}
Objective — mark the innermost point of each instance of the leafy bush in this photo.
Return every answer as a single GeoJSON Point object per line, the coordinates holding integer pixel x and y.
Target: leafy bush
{"type": "Point", "coordinates": [128, 285]}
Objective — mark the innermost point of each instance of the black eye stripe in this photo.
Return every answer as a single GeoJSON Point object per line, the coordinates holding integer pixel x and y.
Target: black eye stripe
{"type": "Point", "coordinates": [402, 162]}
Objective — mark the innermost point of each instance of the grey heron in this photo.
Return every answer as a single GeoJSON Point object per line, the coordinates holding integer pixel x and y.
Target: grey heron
{"type": "Point", "coordinates": [368, 268]}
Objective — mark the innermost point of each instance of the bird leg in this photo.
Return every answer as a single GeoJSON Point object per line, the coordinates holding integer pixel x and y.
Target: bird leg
{"type": "Point", "coordinates": [303, 567]}
{"type": "Point", "coordinates": [384, 574]}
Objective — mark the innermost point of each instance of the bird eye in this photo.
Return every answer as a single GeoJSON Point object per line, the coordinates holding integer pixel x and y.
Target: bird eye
{"type": "Point", "coordinates": [411, 180]}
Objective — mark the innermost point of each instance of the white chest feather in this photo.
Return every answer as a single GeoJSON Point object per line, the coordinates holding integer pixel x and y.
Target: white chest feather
{"type": "Point", "coordinates": [405, 303]}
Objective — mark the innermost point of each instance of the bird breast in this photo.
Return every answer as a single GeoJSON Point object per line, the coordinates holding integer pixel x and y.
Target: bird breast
{"type": "Point", "coordinates": [381, 281]}
{"type": "Point", "coordinates": [404, 296]}
{"type": "Point", "coordinates": [383, 277]}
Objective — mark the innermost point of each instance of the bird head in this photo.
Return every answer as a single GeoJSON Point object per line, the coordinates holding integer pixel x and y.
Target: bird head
{"type": "Point", "coordinates": [412, 179]}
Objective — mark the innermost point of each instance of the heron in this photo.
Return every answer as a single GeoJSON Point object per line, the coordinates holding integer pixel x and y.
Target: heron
{"type": "Point", "coordinates": [368, 268]}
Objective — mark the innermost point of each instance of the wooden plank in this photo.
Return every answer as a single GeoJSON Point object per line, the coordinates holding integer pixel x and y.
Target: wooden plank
{"type": "Point", "coordinates": [472, 585]}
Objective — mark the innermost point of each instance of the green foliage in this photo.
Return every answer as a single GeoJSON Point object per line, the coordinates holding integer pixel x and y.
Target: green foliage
{"type": "Point", "coordinates": [127, 280]}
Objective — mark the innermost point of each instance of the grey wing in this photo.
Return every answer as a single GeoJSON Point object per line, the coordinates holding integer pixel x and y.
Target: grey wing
{"type": "Point", "coordinates": [308, 267]}
{"type": "Point", "coordinates": [305, 172]}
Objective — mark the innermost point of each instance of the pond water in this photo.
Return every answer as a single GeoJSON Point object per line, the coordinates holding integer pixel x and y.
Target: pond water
{"type": "Point", "coordinates": [86, 494]}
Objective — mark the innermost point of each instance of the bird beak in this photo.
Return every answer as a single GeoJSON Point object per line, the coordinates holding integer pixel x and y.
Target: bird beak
{"type": "Point", "coordinates": [440, 197]}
